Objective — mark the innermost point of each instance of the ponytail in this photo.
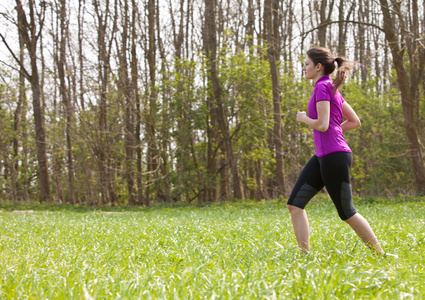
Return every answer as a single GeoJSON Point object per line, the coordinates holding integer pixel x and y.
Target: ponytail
{"type": "Point", "coordinates": [345, 67]}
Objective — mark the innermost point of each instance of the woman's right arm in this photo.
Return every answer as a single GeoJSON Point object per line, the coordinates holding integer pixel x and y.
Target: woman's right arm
{"type": "Point", "coordinates": [352, 121]}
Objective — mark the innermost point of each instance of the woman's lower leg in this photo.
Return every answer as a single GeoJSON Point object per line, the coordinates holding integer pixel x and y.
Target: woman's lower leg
{"type": "Point", "coordinates": [365, 232]}
{"type": "Point", "coordinates": [301, 227]}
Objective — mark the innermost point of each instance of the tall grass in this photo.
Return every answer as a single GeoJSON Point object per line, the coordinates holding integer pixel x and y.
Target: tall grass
{"type": "Point", "coordinates": [225, 251]}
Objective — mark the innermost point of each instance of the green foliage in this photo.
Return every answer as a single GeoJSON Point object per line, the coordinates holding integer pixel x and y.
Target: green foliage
{"type": "Point", "coordinates": [247, 89]}
{"type": "Point", "coordinates": [297, 137]}
{"type": "Point", "coordinates": [187, 118]}
{"type": "Point", "coordinates": [182, 122]}
{"type": "Point", "coordinates": [17, 169]}
{"type": "Point", "coordinates": [237, 250]}
{"type": "Point", "coordinates": [382, 163]}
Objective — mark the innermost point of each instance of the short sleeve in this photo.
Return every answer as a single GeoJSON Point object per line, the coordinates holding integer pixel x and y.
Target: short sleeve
{"type": "Point", "coordinates": [322, 93]}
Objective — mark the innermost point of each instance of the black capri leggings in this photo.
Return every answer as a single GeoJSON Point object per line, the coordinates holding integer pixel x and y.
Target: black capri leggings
{"type": "Point", "coordinates": [331, 171]}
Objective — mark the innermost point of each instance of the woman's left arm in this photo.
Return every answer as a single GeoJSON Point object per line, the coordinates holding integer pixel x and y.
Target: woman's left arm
{"type": "Point", "coordinates": [323, 114]}
{"type": "Point", "coordinates": [352, 121]}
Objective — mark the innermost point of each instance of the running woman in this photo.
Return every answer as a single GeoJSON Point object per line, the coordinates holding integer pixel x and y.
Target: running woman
{"type": "Point", "coordinates": [330, 166]}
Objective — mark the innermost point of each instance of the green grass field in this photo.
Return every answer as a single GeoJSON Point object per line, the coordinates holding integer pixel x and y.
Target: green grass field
{"type": "Point", "coordinates": [243, 250]}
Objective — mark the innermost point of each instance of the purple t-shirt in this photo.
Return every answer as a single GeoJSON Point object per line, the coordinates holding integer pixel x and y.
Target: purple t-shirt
{"type": "Point", "coordinates": [332, 140]}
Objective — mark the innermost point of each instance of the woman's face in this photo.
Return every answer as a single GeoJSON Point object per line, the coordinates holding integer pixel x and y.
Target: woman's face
{"type": "Point", "coordinates": [311, 71]}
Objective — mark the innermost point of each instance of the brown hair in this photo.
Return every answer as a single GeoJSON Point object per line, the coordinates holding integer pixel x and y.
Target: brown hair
{"type": "Point", "coordinates": [323, 56]}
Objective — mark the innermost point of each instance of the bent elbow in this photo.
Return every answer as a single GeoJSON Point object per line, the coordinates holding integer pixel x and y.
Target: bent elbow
{"type": "Point", "coordinates": [358, 123]}
{"type": "Point", "coordinates": [323, 128]}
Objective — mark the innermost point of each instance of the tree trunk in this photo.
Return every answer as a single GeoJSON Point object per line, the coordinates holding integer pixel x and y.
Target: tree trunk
{"type": "Point", "coordinates": [28, 32]}
{"type": "Point", "coordinates": [103, 144]}
{"type": "Point", "coordinates": [341, 38]}
{"type": "Point", "coordinates": [218, 100]}
{"type": "Point", "coordinates": [64, 92]}
{"type": "Point", "coordinates": [127, 91]}
{"type": "Point", "coordinates": [16, 124]}
{"type": "Point", "coordinates": [408, 88]}
{"type": "Point", "coordinates": [272, 34]}
{"type": "Point", "coordinates": [138, 121]}
{"type": "Point", "coordinates": [321, 32]}
{"type": "Point", "coordinates": [80, 52]}
{"type": "Point", "coordinates": [150, 117]}
{"type": "Point", "coordinates": [185, 135]}
{"type": "Point", "coordinates": [164, 146]}
{"type": "Point", "coordinates": [209, 192]}
{"type": "Point", "coordinates": [250, 25]}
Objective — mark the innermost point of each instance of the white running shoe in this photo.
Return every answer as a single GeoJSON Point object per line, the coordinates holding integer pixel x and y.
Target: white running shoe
{"type": "Point", "coordinates": [391, 255]}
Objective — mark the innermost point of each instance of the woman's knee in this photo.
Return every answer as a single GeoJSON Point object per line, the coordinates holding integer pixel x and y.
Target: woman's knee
{"type": "Point", "coordinates": [352, 219]}
{"type": "Point", "coordinates": [347, 212]}
{"type": "Point", "coordinates": [293, 209]}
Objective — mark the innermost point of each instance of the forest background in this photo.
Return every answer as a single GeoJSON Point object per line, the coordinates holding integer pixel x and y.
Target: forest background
{"type": "Point", "coordinates": [111, 102]}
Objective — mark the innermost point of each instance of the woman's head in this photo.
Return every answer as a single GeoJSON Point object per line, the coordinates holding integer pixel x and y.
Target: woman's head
{"type": "Point", "coordinates": [322, 56]}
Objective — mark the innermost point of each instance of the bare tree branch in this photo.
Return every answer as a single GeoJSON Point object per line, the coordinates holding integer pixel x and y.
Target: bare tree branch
{"type": "Point", "coordinates": [26, 74]}
{"type": "Point", "coordinates": [336, 22]}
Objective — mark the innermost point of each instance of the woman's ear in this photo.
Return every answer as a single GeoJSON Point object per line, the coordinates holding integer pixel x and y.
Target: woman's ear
{"type": "Point", "coordinates": [319, 67]}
